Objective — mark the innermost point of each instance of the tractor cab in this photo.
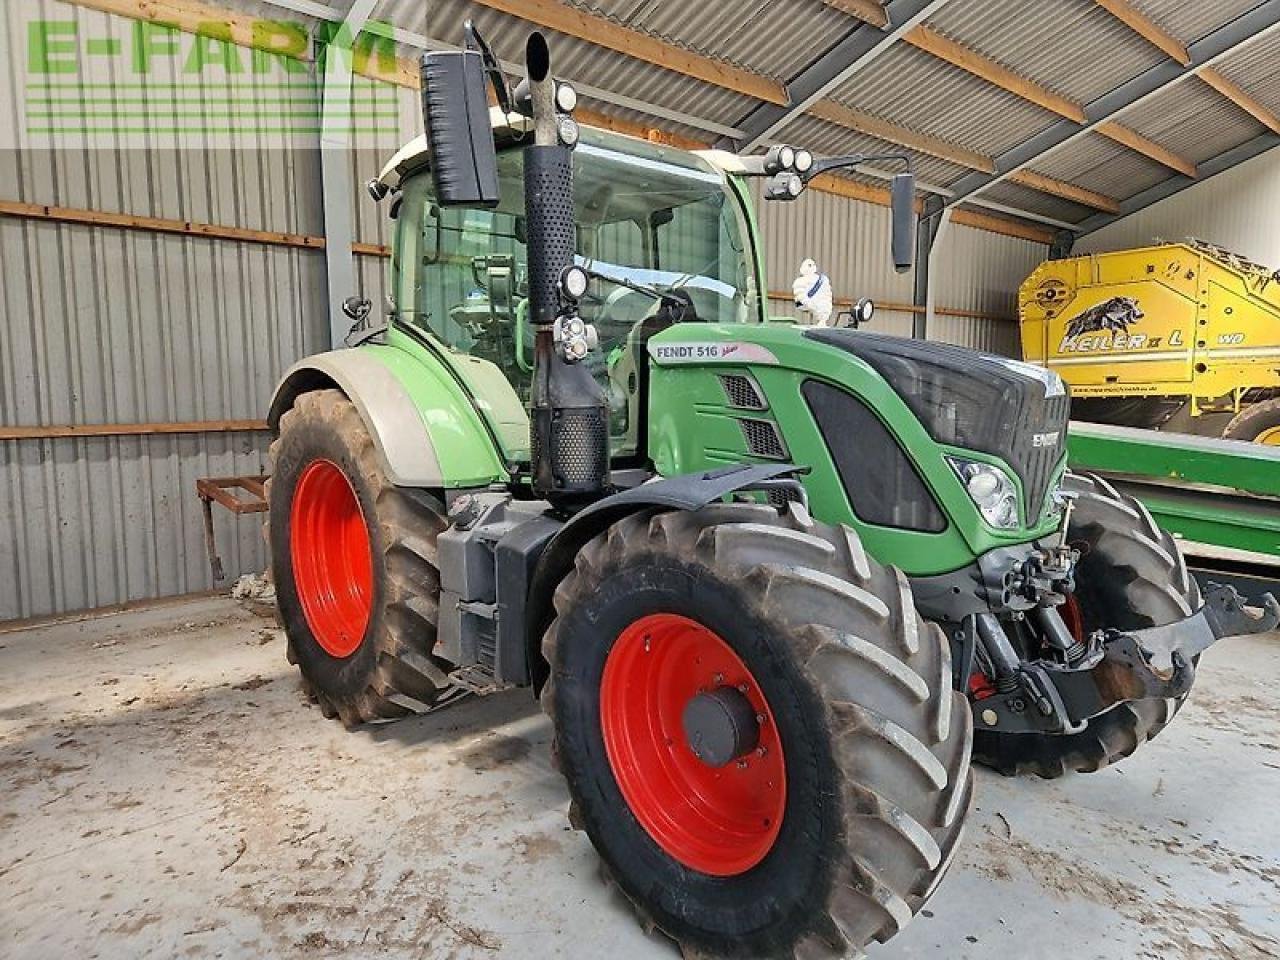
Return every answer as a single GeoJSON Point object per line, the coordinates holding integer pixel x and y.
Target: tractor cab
{"type": "Point", "coordinates": [646, 218]}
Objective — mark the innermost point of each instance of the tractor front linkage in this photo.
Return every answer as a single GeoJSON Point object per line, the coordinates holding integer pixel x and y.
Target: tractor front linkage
{"type": "Point", "coordinates": [1109, 667]}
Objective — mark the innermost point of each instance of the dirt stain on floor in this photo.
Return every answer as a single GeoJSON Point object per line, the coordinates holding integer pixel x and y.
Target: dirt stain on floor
{"type": "Point", "coordinates": [493, 751]}
{"type": "Point", "coordinates": [1181, 928]}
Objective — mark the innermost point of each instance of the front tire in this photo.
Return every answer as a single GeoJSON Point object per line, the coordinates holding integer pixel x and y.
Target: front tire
{"type": "Point", "coordinates": [354, 562]}
{"type": "Point", "coordinates": [839, 819]}
{"type": "Point", "coordinates": [1131, 575]}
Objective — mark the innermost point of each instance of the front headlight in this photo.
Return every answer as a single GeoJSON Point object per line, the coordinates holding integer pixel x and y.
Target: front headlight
{"type": "Point", "coordinates": [991, 491]}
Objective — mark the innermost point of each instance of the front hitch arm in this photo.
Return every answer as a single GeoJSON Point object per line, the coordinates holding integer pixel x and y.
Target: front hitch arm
{"type": "Point", "coordinates": [1154, 663]}
{"type": "Point", "coordinates": [1223, 615]}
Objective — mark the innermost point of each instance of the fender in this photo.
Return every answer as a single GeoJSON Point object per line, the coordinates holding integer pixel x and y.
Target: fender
{"type": "Point", "coordinates": [526, 615]}
{"type": "Point", "coordinates": [393, 392]}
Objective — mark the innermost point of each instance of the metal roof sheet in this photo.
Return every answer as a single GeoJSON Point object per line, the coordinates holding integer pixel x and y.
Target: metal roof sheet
{"type": "Point", "coordinates": [1072, 47]}
{"type": "Point", "coordinates": [1104, 166]}
{"type": "Point", "coordinates": [1256, 69]}
{"type": "Point", "coordinates": [776, 38]}
{"type": "Point", "coordinates": [1033, 201]}
{"type": "Point", "coordinates": [1189, 20]}
{"type": "Point", "coordinates": [909, 87]}
{"type": "Point", "coordinates": [1193, 120]}
{"type": "Point", "coordinates": [575, 59]}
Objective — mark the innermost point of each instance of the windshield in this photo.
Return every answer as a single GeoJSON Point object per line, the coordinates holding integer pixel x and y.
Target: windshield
{"type": "Point", "coordinates": [461, 275]}
{"type": "Point", "coordinates": [640, 219]}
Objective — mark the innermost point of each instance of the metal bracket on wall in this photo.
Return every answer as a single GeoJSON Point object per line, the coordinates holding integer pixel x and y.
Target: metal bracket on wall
{"type": "Point", "coordinates": [219, 490]}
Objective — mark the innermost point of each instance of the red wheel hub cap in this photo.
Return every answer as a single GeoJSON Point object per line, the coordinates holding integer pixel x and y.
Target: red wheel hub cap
{"type": "Point", "coordinates": [719, 820]}
{"type": "Point", "coordinates": [332, 558]}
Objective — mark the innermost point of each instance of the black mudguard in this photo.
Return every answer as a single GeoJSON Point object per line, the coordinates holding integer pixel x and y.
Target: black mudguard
{"type": "Point", "coordinates": [525, 611]}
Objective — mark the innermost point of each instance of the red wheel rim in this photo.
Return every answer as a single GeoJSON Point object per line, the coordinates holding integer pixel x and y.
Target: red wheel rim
{"type": "Point", "coordinates": [332, 558]}
{"type": "Point", "coordinates": [717, 820]}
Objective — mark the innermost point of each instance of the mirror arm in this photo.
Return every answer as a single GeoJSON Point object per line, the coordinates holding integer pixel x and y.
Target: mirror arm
{"type": "Point", "coordinates": [497, 78]}
{"type": "Point", "coordinates": [827, 164]}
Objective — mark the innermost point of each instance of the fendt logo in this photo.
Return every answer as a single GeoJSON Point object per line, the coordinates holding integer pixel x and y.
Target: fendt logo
{"type": "Point", "coordinates": [1105, 326]}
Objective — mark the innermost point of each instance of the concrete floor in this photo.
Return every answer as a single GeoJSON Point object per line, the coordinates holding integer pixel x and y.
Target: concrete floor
{"type": "Point", "coordinates": [169, 792]}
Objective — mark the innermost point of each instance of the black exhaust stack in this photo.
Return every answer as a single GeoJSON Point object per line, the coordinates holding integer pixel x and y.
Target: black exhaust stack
{"type": "Point", "coordinates": [569, 414]}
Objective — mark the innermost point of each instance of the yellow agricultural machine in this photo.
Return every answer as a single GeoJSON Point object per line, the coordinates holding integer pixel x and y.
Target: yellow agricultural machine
{"type": "Point", "coordinates": [1142, 336]}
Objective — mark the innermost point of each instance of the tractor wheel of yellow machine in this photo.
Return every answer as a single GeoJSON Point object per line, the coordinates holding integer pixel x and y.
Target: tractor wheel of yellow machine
{"type": "Point", "coordinates": [1257, 423]}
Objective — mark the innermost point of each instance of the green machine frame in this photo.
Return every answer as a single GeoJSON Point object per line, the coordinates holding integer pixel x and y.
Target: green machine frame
{"type": "Point", "coordinates": [1223, 493]}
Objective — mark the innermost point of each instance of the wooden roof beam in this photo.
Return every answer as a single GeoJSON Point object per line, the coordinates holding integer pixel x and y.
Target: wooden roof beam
{"type": "Point", "coordinates": [1148, 148]}
{"type": "Point", "coordinates": [983, 67]}
{"type": "Point", "coordinates": [1260, 111]}
{"type": "Point", "coordinates": [868, 11]}
{"type": "Point", "coordinates": [603, 32]}
{"type": "Point", "coordinates": [851, 119]}
{"type": "Point", "coordinates": [1065, 190]}
{"type": "Point", "coordinates": [1148, 29]}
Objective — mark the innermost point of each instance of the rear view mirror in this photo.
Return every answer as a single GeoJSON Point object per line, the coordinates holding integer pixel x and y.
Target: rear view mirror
{"type": "Point", "coordinates": [464, 161]}
{"type": "Point", "coordinates": [904, 221]}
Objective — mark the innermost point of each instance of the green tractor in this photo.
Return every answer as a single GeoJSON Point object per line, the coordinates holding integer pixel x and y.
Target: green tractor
{"type": "Point", "coordinates": [766, 579]}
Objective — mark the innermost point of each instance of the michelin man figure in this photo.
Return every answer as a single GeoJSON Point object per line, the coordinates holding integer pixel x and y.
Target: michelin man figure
{"type": "Point", "coordinates": [812, 291]}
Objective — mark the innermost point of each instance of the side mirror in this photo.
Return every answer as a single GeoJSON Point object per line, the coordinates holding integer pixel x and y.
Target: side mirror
{"type": "Point", "coordinates": [903, 199]}
{"type": "Point", "coordinates": [357, 308]}
{"type": "Point", "coordinates": [464, 161]}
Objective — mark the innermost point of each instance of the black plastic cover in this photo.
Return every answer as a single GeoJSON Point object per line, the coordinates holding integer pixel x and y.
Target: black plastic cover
{"type": "Point", "coordinates": [883, 485]}
{"type": "Point", "coordinates": [976, 401]}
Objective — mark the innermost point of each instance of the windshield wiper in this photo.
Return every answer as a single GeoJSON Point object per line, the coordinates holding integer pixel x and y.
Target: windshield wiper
{"type": "Point", "coordinates": [665, 296]}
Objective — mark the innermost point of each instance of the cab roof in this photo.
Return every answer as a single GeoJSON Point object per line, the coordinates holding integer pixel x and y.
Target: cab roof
{"type": "Point", "coordinates": [513, 126]}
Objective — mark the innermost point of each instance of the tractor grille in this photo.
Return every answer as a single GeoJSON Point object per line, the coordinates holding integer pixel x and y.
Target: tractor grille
{"type": "Point", "coordinates": [1036, 465]}
{"type": "Point", "coordinates": [883, 485]}
{"type": "Point", "coordinates": [742, 392]}
{"type": "Point", "coordinates": [762, 439]}
{"type": "Point", "coordinates": [781, 497]}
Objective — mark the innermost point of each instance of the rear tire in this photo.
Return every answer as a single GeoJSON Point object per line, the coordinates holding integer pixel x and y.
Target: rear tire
{"type": "Point", "coordinates": [876, 743]}
{"type": "Point", "coordinates": [1132, 575]}
{"type": "Point", "coordinates": [1256, 423]}
{"type": "Point", "coordinates": [387, 670]}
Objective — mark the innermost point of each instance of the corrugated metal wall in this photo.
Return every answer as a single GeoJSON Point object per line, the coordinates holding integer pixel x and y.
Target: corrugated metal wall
{"type": "Point", "coordinates": [980, 271]}
{"type": "Point", "coordinates": [104, 325]}
{"type": "Point", "coordinates": [1235, 209]}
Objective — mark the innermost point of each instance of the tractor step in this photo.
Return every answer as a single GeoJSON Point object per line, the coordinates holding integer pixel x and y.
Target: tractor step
{"type": "Point", "coordinates": [477, 679]}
